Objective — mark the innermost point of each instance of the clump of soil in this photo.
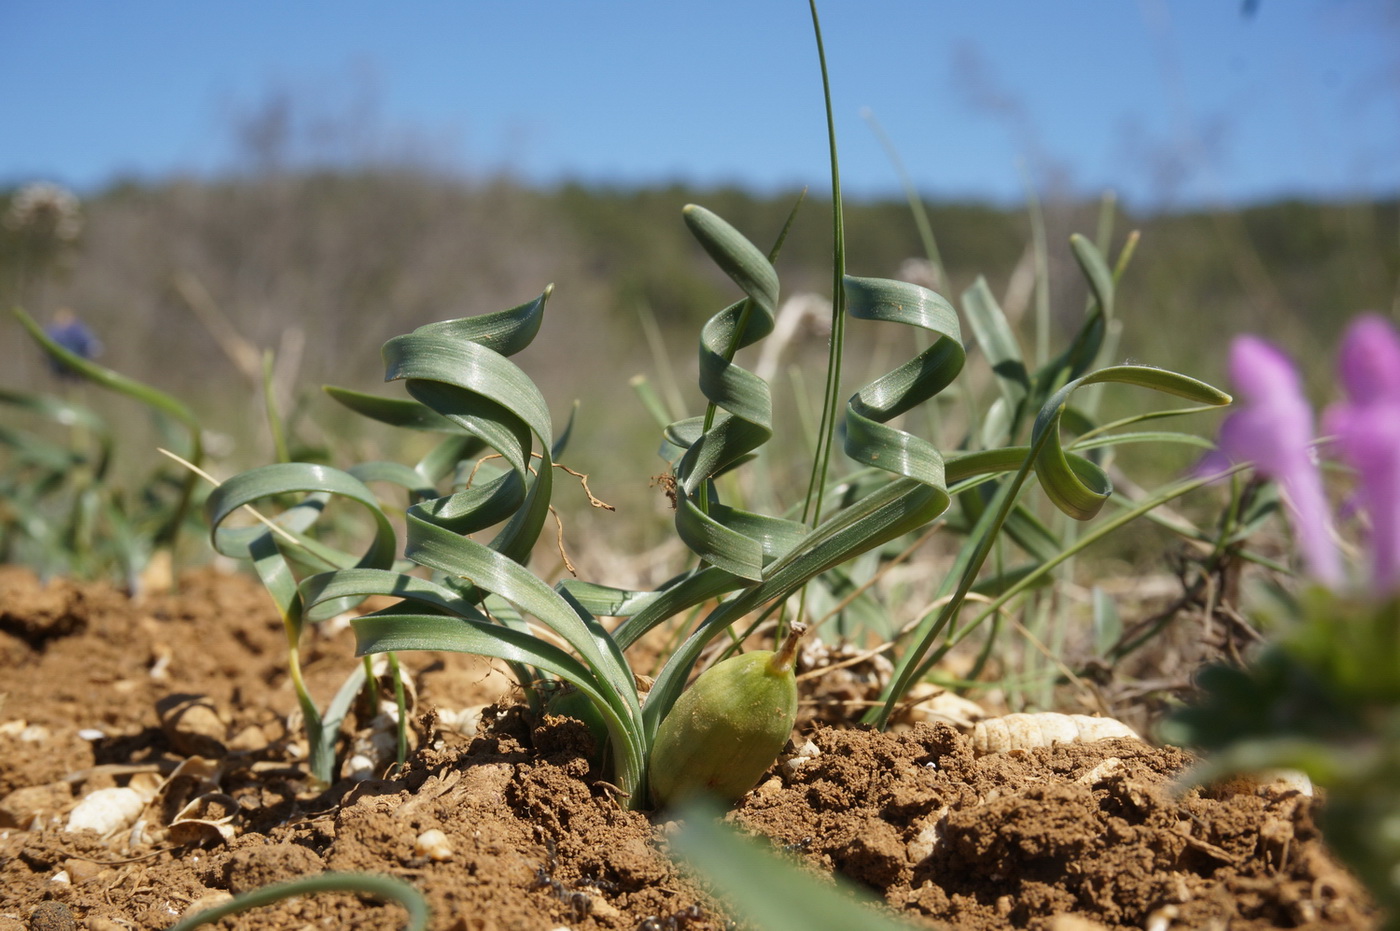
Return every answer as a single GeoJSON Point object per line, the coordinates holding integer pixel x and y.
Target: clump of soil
{"type": "Point", "coordinates": [503, 825]}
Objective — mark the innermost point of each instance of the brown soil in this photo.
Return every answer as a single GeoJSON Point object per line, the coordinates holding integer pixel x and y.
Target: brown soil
{"type": "Point", "coordinates": [102, 691]}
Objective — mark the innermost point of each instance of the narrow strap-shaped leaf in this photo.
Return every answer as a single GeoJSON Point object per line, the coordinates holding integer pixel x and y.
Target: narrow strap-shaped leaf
{"type": "Point", "coordinates": [696, 588]}
{"type": "Point", "coordinates": [58, 410]}
{"type": "Point", "coordinates": [998, 342]}
{"type": "Point", "coordinates": [395, 473]}
{"type": "Point", "coordinates": [917, 496]}
{"type": "Point", "coordinates": [396, 412]}
{"type": "Point", "coordinates": [442, 460]}
{"type": "Point", "coordinates": [459, 369]}
{"type": "Point", "coordinates": [436, 548]}
{"type": "Point", "coordinates": [506, 331]}
{"type": "Point", "coordinates": [1096, 272]}
{"type": "Point", "coordinates": [740, 259]}
{"type": "Point", "coordinates": [363, 583]}
{"type": "Point", "coordinates": [288, 478]}
{"type": "Point", "coordinates": [145, 394]}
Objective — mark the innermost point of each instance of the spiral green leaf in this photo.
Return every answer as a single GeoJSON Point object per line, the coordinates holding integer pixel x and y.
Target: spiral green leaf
{"type": "Point", "coordinates": [741, 417]}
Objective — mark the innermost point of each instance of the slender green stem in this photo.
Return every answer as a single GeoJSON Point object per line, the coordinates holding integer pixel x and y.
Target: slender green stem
{"type": "Point", "coordinates": [401, 703]}
{"type": "Point", "coordinates": [1042, 274]}
{"type": "Point", "coordinates": [274, 416]}
{"type": "Point", "coordinates": [916, 203]}
{"type": "Point", "coordinates": [812, 508]}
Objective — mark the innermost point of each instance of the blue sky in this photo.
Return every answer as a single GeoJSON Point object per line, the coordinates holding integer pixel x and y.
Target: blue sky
{"type": "Point", "coordinates": [1168, 103]}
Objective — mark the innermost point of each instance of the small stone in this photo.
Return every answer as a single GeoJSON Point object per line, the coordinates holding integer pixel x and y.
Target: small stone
{"type": "Point", "coordinates": [193, 725]}
{"type": "Point", "coordinates": [772, 787]}
{"type": "Point", "coordinates": [1104, 771]}
{"type": "Point", "coordinates": [602, 908]}
{"type": "Point", "coordinates": [106, 811]}
{"type": "Point", "coordinates": [1074, 923]}
{"type": "Point", "coordinates": [34, 734]}
{"type": "Point", "coordinates": [434, 845]}
{"type": "Point", "coordinates": [249, 739]}
{"type": "Point", "coordinates": [22, 806]}
{"type": "Point", "coordinates": [80, 871]}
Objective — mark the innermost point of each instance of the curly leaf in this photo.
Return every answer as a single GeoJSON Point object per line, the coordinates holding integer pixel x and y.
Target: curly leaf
{"type": "Point", "coordinates": [458, 369]}
{"type": "Point", "coordinates": [396, 412]}
{"type": "Point", "coordinates": [1075, 485]}
{"type": "Point", "coordinates": [735, 540]}
{"type": "Point", "coordinates": [869, 440]}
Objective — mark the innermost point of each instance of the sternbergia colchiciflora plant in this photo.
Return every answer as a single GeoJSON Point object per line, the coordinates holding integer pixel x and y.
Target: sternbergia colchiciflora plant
{"type": "Point", "coordinates": [1323, 696]}
{"type": "Point", "coordinates": [459, 593]}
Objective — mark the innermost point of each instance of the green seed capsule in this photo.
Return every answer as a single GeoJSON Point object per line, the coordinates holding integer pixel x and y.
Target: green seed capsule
{"type": "Point", "coordinates": [728, 727]}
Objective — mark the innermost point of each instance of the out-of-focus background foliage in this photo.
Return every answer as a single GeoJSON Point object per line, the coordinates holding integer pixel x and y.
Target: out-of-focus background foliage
{"type": "Point", "coordinates": [321, 232]}
{"type": "Point", "coordinates": [323, 267]}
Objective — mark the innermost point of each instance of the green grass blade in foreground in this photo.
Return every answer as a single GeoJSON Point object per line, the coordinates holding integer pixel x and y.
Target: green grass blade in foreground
{"type": "Point", "coordinates": [385, 888]}
{"type": "Point", "coordinates": [768, 892]}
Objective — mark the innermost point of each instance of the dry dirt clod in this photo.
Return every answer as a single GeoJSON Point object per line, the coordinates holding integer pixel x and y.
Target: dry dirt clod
{"type": "Point", "coordinates": [22, 806]}
{"type": "Point", "coordinates": [52, 916]}
{"type": "Point", "coordinates": [193, 724]}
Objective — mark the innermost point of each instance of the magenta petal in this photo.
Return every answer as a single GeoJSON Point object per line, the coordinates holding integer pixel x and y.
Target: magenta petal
{"type": "Point", "coordinates": [1261, 372]}
{"type": "Point", "coordinates": [1273, 429]}
{"type": "Point", "coordinates": [1369, 360]}
{"type": "Point", "coordinates": [1368, 438]}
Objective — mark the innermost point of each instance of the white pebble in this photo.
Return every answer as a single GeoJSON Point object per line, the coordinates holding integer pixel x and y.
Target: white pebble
{"type": "Point", "coordinates": [106, 811]}
{"type": "Point", "coordinates": [434, 845]}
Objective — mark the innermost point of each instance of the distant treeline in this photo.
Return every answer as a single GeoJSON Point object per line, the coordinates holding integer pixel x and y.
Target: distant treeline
{"type": "Point", "coordinates": [325, 266]}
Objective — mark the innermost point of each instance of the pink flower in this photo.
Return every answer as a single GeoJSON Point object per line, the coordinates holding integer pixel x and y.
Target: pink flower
{"type": "Point", "coordinates": [1367, 432]}
{"type": "Point", "coordinates": [1274, 430]}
